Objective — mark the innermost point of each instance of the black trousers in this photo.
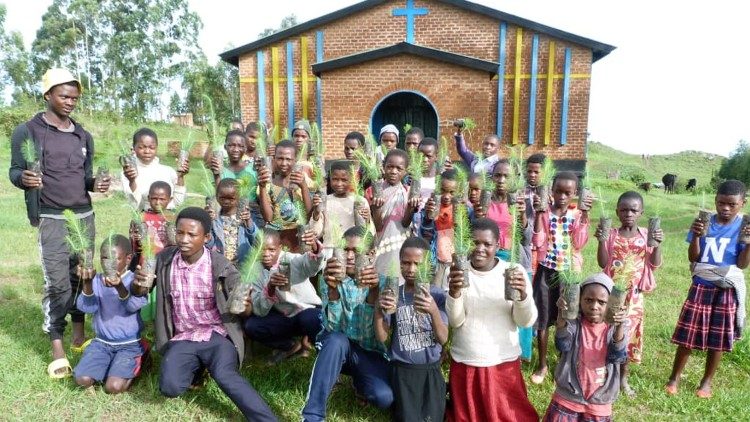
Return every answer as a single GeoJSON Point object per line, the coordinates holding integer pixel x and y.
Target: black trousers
{"type": "Point", "coordinates": [418, 392]}
{"type": "Point", "coordinates": [61, 284]}
{"type": "Point", "coordinates": [184, 358]}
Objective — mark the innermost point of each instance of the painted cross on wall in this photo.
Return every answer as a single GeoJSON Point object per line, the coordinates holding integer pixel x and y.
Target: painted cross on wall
{"type": "Point", "coordinates": [410, 12]}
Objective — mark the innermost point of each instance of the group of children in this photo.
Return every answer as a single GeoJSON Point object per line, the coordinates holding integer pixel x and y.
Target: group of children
{"type": "Point", "coordinates": [351, 319]}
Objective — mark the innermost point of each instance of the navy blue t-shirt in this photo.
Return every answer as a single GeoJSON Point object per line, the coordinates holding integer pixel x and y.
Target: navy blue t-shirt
{"type": "Point", "coordinates": [413, 340]}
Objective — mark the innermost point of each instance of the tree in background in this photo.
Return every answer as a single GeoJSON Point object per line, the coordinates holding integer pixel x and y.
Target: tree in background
{"type": "Point", "coordinates": [220, 82]}
{"type": "Point", "coordinates": [737, 166]}
{"type": "Point", "coordinates": [125, 52]}
{"type": "Point", "coordinates": [15, 63]}
{"type": "Point", "coordinates": [286, 23]}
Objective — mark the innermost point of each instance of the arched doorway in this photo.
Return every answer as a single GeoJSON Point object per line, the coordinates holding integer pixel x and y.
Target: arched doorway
{"type": "Point", "coordinates": [405, 107]}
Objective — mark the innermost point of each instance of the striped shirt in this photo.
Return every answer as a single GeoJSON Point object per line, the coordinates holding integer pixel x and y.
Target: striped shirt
{"type": "Point", "coordinates": [194, 310]}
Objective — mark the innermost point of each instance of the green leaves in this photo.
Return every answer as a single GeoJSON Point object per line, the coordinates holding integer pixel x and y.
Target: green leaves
{"type": "Point", "coordinates": [207, 184]}
{"type": "Point", "coordinates": [442, 153]}
{"type": "Point", "coordinates": [426, 269]}
{"type": "Point", "coordinates": [356, 183]}
{"type": "Point", "coordinates": [28, 151]}
{"type": "Point", "coordinates": [516, 180]}
{"type": "Point", "coordinates": [245, 185]}
{"type": "Point", "coordinates": [251, 266]}
{"type": "Point", "coordinates": [515, 234]}
{"type": "Point", "coordinates": [548, 172]}
{"type": "Point", "coordinates": [462, 183]}
{"type": "Point", "coordinates": [365, 244]}
{"type": "Point", "coordinates": [416, 167]}
{"type": "Point", "coordinates": [371, 167]}
{"type": "Point", "coordinates": [213, 130]}
{"type": "Point", "coordinates": [301, 212]}
{"type": "Point", "coordinates": [78, 239]}
{"type": "Point", "coordinates": [462, 240]}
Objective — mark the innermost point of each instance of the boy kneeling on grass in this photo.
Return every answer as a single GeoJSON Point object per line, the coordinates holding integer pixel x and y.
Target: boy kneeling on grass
{"type": "Point", "coordinates": [114, 356]}
{"type": "Point", "coordinates": [194, 328]}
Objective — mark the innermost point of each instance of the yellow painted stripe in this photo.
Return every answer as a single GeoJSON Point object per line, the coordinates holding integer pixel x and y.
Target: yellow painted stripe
{"type": "Point", "coordinates": [303, 72]}
{"type": "Point", "coordinates": [544, 76]}
{"type": "Point", "coordinates": [550, 89]}
{"type": "Point", "coordinates": [310, 79]}
{"type": "Point", "coordinates": [275, 87]}
{"type": "Point", "coordinates": [517, 84]}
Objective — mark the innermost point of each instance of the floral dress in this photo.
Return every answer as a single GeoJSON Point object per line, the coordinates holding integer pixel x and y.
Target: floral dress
{"type": "Point", "coordinates": [623, 247]}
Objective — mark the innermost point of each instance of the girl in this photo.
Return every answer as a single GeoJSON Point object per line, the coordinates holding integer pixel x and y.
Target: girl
{"type": "Point", "coordinates": [630, 242]}
{"type": "Point", "coordinates": [393, 212]}
{"type": "Point", "coordinates": [136, 180]}
{"type": "Point", "coordinates": [237, 167]}
{"type": "Point", "coordinates": [232, 233]}
{"type": "Point", "coordinates": [485, 374]}
{"type": "Point", "coordinates": [591, 351]}
{"type": "Point", "coordinates": [560, 233]}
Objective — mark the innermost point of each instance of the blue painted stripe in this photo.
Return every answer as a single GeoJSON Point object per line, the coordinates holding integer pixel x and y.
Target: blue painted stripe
{"type": "Point", "coordinates": [532, 96]}
{"type": "Point", "coordinates": [318, 82]}
{"type": "Point", "coordinates": [290, 85]}
{"type": "Point", "coordinates": [501, 80]}
{"type": "Point", "coordinates": [565, 99]}
{"type": "Point", "coordinates": [410, 12]}
{"type": "Point", "coordinates": [261, 86]}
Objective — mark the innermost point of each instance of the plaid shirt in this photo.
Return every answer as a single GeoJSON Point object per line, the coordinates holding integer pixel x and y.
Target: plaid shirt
{"type": "Point", "coordinates": [351, 314]}
{"type": "Point", "coordinates": [194, 309]}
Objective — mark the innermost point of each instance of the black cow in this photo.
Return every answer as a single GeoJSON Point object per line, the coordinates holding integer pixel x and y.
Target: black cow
{"type": "Point", "coordinates": [669, 181]}
{"type": "Point", "coordinates": [691, 185]}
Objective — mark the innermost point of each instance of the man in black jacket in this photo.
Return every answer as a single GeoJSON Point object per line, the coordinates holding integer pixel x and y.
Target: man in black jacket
{"type": "Point", "coordinates": [51, 160]}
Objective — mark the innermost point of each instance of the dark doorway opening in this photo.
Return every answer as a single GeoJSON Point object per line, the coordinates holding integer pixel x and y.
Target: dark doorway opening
{"type": "Point", "coordinates": [402, 108]}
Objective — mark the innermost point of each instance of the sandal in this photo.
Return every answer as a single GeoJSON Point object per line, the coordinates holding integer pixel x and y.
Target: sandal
{"type": "Point", "coordinates": [56, 365]}
{"type": "Point", "coordinates": [79, 349]}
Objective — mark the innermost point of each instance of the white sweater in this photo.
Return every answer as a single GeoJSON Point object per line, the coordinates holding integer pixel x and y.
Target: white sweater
{"type": "Point", "coordinates": [484, 323]}
{"type": "Point", "coordinates": [148, 174]}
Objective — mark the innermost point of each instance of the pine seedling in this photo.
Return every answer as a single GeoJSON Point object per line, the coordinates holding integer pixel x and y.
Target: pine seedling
{"type": "Point", "coordinates": [407, 127]}
{"type": "Point", "coordinates": [285, 134]}
{"type": "Point", "coordinates": [251, 266]}
{"type": "Point", "coordinates": [337, 232]}
{"type": "Point", "coordinates": [78, 239]}
{"type": "Point", "coordinates": [515, 235]}
{"type": "Point", "coordinates": [213, 129]}
{"type": "Point", "coordinates": [602, 203]}
{"type": "Point", "coordinates": [186, 144]}
{"type": "Point", "coordinates": [516, 180]}
{"type": "Point", "coordinates": [301, 212]}
{"type": "Point", "coordinates": [147, 247]}
{"type": "Point", "coordinates": [486, 181]}
{"type": "Point", "coordinates": [463, 243]}
{"type": "Point", "coordinates": [302, 152]}
{"type": "Point", "coordinates": [356, 186]}
{"type": "Point", "coordinates": [416, 167]}
{"type": "Point", "coordinates": [548, 172]}
{"type": "Point", "coordinates": [370, 144]}
{"type": "Point", "coordinates": [366, 243]}
{"type": "Point", "coordinates": [442, 153]}
{"type": "Point", "coordinates": [273, 136]}
{"type": "Point", "coordinates": [469, 124]}
{"type": "Point", "coordinates": [371, 169]}
{"type": "Point", "coordinates": [245, 185]}
{"type": "Point", "coordinates": [623, 271]}
{"type": "Point", "coordinates": [426, 269]}
{"type": "Point", "coordinates": [261, 144]}
{"type": "Point", "coordinates": [319, 178]}
{"type": "Point", "coordinates": [462, 183]}
{"type": "Point", "coordinates": [28, 151]}
{"type": "Point", "coordinates": [207, 184]}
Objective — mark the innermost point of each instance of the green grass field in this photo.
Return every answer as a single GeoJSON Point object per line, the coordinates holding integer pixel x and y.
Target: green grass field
{"type": "Point", "coordinates": [28, 394]}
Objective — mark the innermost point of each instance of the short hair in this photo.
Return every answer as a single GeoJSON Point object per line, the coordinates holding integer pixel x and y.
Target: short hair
{"type": "Point", "coordinates": [395, 152]}
{"type": "Point", "coordinates": [414, 242]}
{"type": "Point", "coordinates": [238, 133]}
{"type": "Point", "coordinates": [160, 184]}
{"type": "Point", "coordinates": [236, 120]}
{"type": "Point", "coordinates": [118, 241]}
{"type": "Point", "coordinates": [226, 183]}
{"type": "Point", "coordinates": [732, 187]}
{"type": "Point", "coordinates": [252, 127]}
{"type": "Point", "coordinates": [341, 165]}
{"type": "Point", "coordinates": [450, 174]}
{"type": "Point", "coordinates": [566, 175]}
{"type": "Point", "coordinates": [537, 158]}
{"type": "Point", "coordinates": [415, 131]}
{"type": "Point", "coordinates": [356, 135]}
{"type": "Point", "coordinates": [286, 143]}
{"type": "Point", "coordinates": [630, 195]}
{"type": "Point", "coordinates": [426, 142]}
{"type": "Point", "coordinates": [486, 224]}
{"type": "Point", "coordinates": [500, 162]}
{"type": "Point", "coordinates": [142, 132]}
{"type": "Point", "coordinates": [198, 214]}
{"type": "Point", "coordinates": [271, 232]}
{"type": "Point", "coordinates": [355, 231]}
{"type": "Point", "coordinates": [492, 136]}
{"type": "Point", "coordinates": [474, 176]}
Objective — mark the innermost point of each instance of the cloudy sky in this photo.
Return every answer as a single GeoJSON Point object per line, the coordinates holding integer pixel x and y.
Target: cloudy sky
{"type": "Point", "coordinates": [677, 80]}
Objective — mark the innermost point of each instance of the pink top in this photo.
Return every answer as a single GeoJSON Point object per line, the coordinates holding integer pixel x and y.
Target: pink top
{"type": "Point", "coordinates": [194, 310]}
{"type": "Point", "coordinates": [499, 213]}
{"type": "Point", "coordinates": [156, 224]}
{"type": "Point", "coordinates": [618, 247]}
{"type": "Point", "coordinates": [568, 226]}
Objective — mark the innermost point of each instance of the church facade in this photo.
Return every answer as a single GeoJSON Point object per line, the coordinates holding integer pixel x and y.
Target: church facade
{"type": "Point", "coordinates": [425, 63]}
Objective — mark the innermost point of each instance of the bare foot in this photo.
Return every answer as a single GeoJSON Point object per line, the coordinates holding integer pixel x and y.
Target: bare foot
{"type": "Point", "coordinates": [538, 376]}
{"type": "Point", "coordinates": [704, 391]}
{"type": "Point", "coordinates": [671, 387]}
{"type": "Point", "coordinates": [627, 390]}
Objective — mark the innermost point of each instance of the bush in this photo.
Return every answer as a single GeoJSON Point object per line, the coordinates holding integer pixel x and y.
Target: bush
{"type": "Point", "coordinates": [635, 175]}
{"type": "Point", "coordinates": [738, 165]}
{"type": "Point", "coordinates": [10, 117]}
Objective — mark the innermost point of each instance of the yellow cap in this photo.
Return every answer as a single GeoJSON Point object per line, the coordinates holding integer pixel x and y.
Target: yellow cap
{"type": "Point", "coordinates": [58, 76]}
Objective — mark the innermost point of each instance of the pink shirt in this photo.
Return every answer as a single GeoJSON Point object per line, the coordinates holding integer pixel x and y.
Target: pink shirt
{"type": "Point", "coordinates": [498, 212]}
{"type": "Point", "coordinates": [194, 310]}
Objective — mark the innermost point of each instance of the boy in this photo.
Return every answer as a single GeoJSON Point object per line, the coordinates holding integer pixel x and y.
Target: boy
{"type": "Point", "coordinates": [475, 193]}
{"type": "Point", "coordinates": [560, 233]}
{"type": "Point", "coordinates": [191, 329]}
{"type": "Point", "coordinates": [137, 180]}
{"type": "Point", "coordinates": [339, 205]}
{"type": "Point", "coordinates": [285, 308]}
{"type": "Point", "coordinates": [414, 137]}
{"type": "Point", "coordinates": [159, 195]}
{"type": "Point", "coordinates": [419, 330]}
{"type": "Point", "coordinates": [232, 232]}
{"type": "Point", "coordinates": [713, 314]}
{"type": "Point", "coordinates": [238, 168]}
{"type": "Point", "coordinates": [114, 356]}
{"type": "Point", "coordinates": [347, 343]}
{"type": "Point", "coordinates": [60, 185]}
{"type": "Point", "coordinates": [277, 194]}
{"type": "Point", "coordinates": [587, 377]}
{"type": "Point", "coordinates": [252, 133]}
{"type": "Point", "coordinates": [392, 216]}
{"type": "Point", "coordinates": [490, 148]}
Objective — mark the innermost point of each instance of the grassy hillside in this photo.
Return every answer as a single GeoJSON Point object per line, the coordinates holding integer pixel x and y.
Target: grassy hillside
{"type": "Point", "coordinates": [29, 395]}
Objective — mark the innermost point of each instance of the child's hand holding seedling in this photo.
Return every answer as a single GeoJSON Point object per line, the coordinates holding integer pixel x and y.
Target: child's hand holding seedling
{"type": "Point", "coordinates": [518, 282]}
{"type": "Point", "coordinates": [264, 177]}
{"type": "Point", "coordinates": [316, 201]}
{"type": "Point", "coordinates": [430, 208]}
{"type": "Point", "coordinates": [311, 240]}
{"type": "Point", "coordinates": [388, 302]}
{"type": "Point", "coordinates": [277, 281]}
{"type": "Point", "coordinates": [244, 217]}
{"type": "Point", "coordinates": [297, 178]}
{"type": "Point", "coordinates": [85, 274]}
{"type": "Point", "coordinates": [697, 227]}
{"type": "Point", "coordinates": [332, 273]}
{"type": "Point", "coordinates": [424, 303]}
{"type": "Point", "coordinates": [455, 281]}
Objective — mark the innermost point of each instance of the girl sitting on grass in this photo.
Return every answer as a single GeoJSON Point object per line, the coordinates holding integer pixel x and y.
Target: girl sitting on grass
{"type": "Point", "coordinates": [631, 242]}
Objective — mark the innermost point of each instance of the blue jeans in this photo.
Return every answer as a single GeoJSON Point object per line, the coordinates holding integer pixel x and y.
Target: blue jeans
{"type": "Point", "coordinates": [184, 358]}
{"type": "Point", "coordinates": [277, 330]}
{"type": "Point", "coordinates": [369, 370]}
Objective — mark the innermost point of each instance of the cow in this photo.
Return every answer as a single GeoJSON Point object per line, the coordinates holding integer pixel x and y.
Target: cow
{"type": "Point", "coordinates": [669, 181]}
{"type": "Point", "coordinates": [646, 186]}
{"type": "Point", "coordinates": [691, 185]}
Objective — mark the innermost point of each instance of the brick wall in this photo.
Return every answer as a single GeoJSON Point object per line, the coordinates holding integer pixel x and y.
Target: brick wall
{"type": "Point", "coordinates": [349, 95]}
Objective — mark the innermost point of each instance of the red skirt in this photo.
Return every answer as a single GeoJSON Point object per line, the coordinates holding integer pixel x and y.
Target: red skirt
{"type": "Point", "coordinates": [707, 319]}
{"type": "Point", "coordinates": [492, 394]}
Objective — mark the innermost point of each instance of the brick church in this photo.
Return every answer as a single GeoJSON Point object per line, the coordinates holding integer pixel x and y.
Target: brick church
{"type": "Point", "coordinates": [426, 63]}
